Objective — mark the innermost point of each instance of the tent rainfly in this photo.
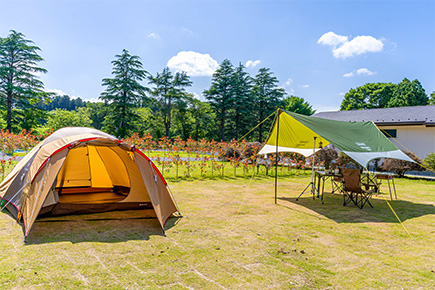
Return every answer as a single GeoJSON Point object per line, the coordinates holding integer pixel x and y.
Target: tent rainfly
{"type": "Point", "coordinates": [83, 170]}
{"type": "Point", "coordinates": [362, 141]}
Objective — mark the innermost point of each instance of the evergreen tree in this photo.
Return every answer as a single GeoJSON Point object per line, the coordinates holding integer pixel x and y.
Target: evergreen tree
{"type": "Point", "coordinates": [97, 113]}
{"type": "Point", "coordinates": [267, 97]}
{"type": "Point", "coordinates": [20, 87]}
{"type": "Point", "coordinates": [123, 93]}
{"type": "Point", "coordinates": [169, 89]}
{"type": "Point", "coordinates": [221, 93]}
{"type": "Point", "coordinates": [242, 104]}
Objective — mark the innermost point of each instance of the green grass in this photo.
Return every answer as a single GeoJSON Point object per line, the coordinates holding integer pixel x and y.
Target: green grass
{"type": "Point", "coordinates": [233, 236]}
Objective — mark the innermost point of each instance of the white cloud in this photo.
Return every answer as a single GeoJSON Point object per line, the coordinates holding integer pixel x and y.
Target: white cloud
{"type": "Point", "coordinates": [321, 108]}
{"type": "Point", "coordinates": [193, 63]}
{"type": "Point", "coordinates": [288, 83]}
{"type": "Point", "coordinates": [290, 91]}
{"type": "Point", "coordinates": [187, 31]}
{"type": "Point", "coordinates": [365, 72]}
{"type": "Point", "coordinates": [359, 72]}
{"type": "Point", "coordinates": [153, 35]}
{"type": "Point", "coordinates": [56, 91]}
{"type": "Point", "coordinates": [287, 86]}
{"type": "Point", "coordinates": [330, 38]}
{"type": "Point", "coordinates": [343, 48]}
{"type": "Point", "coordinates": [62, 93]}
{"type": "Point", "coordinates": [252, 63]}
{"type": "Point", "coordinates": [357, 46]}
{"type": "Point", "coordinates": [93, 100]}
{"type": "Point", "coordinates": [305, 86]}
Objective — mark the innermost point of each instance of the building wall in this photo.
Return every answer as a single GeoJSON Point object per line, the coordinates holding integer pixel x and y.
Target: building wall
{"type": "Point", "coordinates": [418, 139]}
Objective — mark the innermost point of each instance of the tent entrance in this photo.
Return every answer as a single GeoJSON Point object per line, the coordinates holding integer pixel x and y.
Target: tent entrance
{"type": "Point", "coordinates": [92, 175]}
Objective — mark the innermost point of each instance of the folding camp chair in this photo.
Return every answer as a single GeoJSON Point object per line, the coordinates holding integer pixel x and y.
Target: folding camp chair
{"type": "Point", "coordinates": [337, 183]}
{"type": "Point", "coordinates": [352, 191]}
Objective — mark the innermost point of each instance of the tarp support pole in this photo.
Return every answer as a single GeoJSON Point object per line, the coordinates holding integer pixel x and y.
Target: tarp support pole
{"type": "Point", "coordinates": [276, 156]}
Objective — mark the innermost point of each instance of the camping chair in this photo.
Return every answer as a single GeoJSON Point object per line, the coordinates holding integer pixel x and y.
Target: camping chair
{"type": "Point", "coordinates": [352, 191]}
{"type": "Point", "coordinates": [337, 183]}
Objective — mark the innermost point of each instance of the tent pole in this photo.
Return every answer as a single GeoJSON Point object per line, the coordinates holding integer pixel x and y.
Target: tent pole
{"type": "Point", "coordinates": [312, 165]}
{"type": "Point", "coordinates": [37, 196]}
{"type": "Point", "coordinates": [276, 156]}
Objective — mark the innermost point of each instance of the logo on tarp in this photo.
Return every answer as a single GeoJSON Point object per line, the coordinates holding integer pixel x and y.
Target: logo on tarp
{"type": "Point", "coordinates": [363, 146]}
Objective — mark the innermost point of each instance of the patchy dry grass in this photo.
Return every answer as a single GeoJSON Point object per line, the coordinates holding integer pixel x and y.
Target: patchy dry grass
{"type": "Point", "coordinates": [233, 236]}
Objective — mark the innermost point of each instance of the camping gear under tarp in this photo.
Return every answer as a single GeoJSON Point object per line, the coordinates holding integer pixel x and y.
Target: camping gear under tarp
{"type": "Point", "coordinates": [362, 141]}
{"type": "Point", "coordinates": [83, 170]}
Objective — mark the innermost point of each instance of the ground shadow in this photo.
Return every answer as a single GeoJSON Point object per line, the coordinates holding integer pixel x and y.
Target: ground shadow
{"type": "Point", "coordinates": [381, 212]}
{"type": "Point", "coordinates": [109, 227]}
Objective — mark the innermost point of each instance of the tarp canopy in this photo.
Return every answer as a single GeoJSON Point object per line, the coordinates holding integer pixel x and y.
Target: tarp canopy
{"type": "Point", "coordinates": [362, 141]}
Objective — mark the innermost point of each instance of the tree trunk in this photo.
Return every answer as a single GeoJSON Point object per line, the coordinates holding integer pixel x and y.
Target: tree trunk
{"type": "Point", "coordinates": [223, 126]}
{"type": "Point", "coordinates": [260, 128]}
{"type": "Point", "coordinates": [237, 126]}
{"type": "Point", "coordinates": [168, 123]}
{"type": "Point", "coordinates": [9, 113]}
{"type": "Point", "coordinates": [167, 126]}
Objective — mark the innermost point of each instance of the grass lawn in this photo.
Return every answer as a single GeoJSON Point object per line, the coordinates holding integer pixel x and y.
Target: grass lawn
{"type": "Point", "coordinates": [233, 236]}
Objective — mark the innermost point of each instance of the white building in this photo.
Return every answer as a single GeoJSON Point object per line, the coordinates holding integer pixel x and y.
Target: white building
{"type": "Point", "coordinates": [410, 128]}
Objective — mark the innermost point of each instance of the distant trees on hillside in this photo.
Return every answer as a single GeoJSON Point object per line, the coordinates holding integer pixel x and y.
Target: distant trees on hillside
{"type": "Point", "coordinates": [64, 102]}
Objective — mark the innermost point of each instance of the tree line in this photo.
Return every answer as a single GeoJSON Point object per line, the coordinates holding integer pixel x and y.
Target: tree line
{"type": "Point", "coordinates": [136, 101]}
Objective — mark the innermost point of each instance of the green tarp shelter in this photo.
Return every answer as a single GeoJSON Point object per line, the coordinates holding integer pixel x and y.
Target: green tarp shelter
{"type": "Point", "coordinates": [362, 141]}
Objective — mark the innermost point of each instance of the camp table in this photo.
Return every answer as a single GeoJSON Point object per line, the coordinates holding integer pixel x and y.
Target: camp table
{"type": "Point", "coordinates": [387, 177]}
{"type": "Point", "coordinates": [321, 176]}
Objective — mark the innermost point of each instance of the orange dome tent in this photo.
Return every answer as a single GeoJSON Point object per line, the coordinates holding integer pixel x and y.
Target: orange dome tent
{"type": "Point", "coordinates": [83, 170]}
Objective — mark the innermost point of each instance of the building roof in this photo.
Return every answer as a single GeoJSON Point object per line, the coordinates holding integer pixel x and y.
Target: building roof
{"type": "Point", "coordinates": [417, 115]}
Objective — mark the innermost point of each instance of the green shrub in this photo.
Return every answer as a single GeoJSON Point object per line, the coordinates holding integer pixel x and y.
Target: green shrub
{"type": "Point", "coordinates": [401, 166]}
{"type": "Point", "coordinates": [429, 161]}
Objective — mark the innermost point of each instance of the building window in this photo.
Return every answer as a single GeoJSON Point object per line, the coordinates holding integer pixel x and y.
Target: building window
{"type": "Point", "coordinates": [390, 133]}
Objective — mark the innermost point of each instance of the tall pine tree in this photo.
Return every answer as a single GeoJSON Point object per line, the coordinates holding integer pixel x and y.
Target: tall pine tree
{"type": "Point", "coordinates": [20, 88]}
{"type": "Point", "coordinates": [169, 89]}
{"type": "Point", "coordinates": [243, 104]}
{"type": "Point", "coordinates": [267, 97]}
{"type": "Point", "coordinates": [123, 94]}
{"type": "Point", "coordinates": [221, 93]}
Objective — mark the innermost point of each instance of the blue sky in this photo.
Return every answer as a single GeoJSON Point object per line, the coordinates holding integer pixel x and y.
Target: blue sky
{"type": "Point", "coordinates": [318, 50]}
